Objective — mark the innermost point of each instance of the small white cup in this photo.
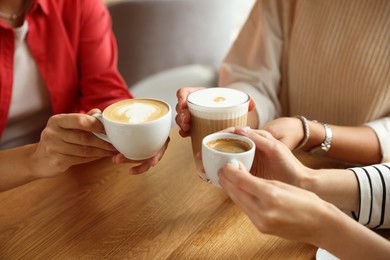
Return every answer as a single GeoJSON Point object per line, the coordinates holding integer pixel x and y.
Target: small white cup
{"type": "Point", "coordinates": [213, 160]}
{"type": "Point", "coordinates": [212, 110]}
{"type": "Point", "coordinates": [136, 141]}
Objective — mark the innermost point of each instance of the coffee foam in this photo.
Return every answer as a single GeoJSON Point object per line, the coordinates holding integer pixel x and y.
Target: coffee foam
{"type": "Point", "coordinates": [218, 103]}
{"type": "Point", "coordinates": [218, 97]}
{"type": "Point", "coordinates": [137, 112]}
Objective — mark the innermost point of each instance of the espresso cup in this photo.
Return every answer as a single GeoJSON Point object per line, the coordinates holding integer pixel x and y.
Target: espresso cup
{"type": "Point", "coordinates": [138, 128]}
{"type": "Point", "coordinates": [219, 149]}
{"type": "Point", "coordinates": [212, 110]}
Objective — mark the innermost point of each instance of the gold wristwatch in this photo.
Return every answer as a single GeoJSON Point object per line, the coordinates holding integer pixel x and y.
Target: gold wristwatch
{"type": "Point", "coordinates": [325, 145]}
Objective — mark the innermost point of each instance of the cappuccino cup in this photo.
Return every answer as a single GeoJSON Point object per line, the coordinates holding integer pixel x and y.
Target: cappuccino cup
{"type": "Point", "coordinates": [219, 149]}
{"type": "Point", "coordinates": [138, 128]}
{"type": "Point", "coordinates": [212, 110]}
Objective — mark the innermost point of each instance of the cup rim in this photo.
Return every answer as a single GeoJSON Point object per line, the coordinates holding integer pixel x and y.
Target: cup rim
{"type": "Point", "coordinates": [143, 123]}
{"type": "Point", "coordinates": [217, 108]}
{"type": "Point", "coordinates": [227, 135]}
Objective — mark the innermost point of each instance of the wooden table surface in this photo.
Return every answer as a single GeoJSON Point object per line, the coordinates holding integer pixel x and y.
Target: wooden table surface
{"type": "Point", "coordinates": [99, 211]}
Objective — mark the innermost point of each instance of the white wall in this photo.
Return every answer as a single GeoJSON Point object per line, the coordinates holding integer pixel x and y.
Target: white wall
{"type": "Point", "coordinates": [242, 8]}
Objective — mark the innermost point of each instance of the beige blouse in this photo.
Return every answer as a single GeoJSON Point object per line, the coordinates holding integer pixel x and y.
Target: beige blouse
{"type": "Point", "coordinates": [325, 59]}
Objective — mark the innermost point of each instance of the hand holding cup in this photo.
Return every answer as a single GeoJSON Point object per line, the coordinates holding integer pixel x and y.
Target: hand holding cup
{"type": "Point", "coordinates": [221, 148]}
{"type": "Point", "coordinates": [138, 128]}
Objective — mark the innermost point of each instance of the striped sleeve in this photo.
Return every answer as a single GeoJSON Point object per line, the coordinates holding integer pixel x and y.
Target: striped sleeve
{"type": "Point", "coordinates": [374, 187]}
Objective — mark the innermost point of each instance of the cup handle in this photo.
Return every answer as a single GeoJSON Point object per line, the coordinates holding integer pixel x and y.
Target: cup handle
{"type": "Point", "coordinates": [235, 163]}
{"type": "Point", "coordinates": [104, 137]}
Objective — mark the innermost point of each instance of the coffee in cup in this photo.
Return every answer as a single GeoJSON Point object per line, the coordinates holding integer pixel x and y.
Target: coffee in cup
{"type": "Point", "coordinates": [229, 145]}
{"type": "Point", "coordinates": [219, 149]}
{"type": "Point", "coordinates": [138, 128]}
{"type": "Point", "coordinates": [212, 110]}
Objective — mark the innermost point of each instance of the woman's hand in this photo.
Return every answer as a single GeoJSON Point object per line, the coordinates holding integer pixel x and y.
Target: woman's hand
{"type": "Point", "coordinates": [288, 130]}
{"type": "Point", "coordinates": [183, 117]}
{"type": "Point", "coordinates": [143, 165]}
{"type": "Point", "coordinates": [273, 160]}
{"type": "Point", "coordinates": [277, 208]}
{"type": "Point", "coordinates": [68, 140]}
{"type": "Point", "coordinates": [292, 213]}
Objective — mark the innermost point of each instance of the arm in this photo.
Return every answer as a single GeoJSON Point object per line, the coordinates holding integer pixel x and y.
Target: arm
{"type": "Point", "coordinates": [254, 61]}
{"type": "Point", "coordinates": [357, 189]}
{"type": "Point", "coordinates": [100, 82]}
{"type": "Point", "coordinates": [13, 172]}
{"type": "Point", "coordinates": [289, 212]}
{"type": "Point", "coordinates": [358, 144]}
{"type": "Point", "coordinates": [374, 180]}
{"type": "Point", "coordinates": [65, 141]}
{"type": "Point", "coordinates": [274, 161]}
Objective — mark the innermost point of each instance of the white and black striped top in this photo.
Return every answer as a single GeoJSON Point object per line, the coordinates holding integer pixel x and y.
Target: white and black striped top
{"type": "Point", "coordinates": [374, 186]}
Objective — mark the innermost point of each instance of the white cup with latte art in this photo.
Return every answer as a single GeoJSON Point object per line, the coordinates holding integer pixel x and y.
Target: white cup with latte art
{"type": "Point", "coordinates": [212, 110]}
{"type": "Point", "coordinates": [138, 128]}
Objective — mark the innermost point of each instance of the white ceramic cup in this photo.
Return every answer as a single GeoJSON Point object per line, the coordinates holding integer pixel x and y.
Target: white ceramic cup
{"type": "Point", "coordinates": [136, 140]}
{"type": "Point", "coordinates": [213, 159]}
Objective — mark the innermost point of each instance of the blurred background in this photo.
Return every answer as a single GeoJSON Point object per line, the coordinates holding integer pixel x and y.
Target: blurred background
{"type": "Point", "coordinates": [167, 44]}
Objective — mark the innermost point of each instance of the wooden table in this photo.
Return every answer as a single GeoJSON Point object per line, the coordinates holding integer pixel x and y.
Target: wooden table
{"type": "Point", "coordinates": [99, 211]}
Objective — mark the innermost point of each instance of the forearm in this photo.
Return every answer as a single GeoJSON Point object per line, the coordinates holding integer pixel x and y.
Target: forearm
{"type": "Point", "coordinates": [337, 186]}
{"type": "Point", "coordinates": [14, 167]}
{"type": "Point", "coordinates": [350, 144]}
{"type": "Point", "coordinates": [347, 239]}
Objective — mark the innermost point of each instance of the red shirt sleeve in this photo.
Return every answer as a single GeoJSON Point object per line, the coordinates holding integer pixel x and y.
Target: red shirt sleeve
{"type": "Point", "coordinates": [100, 82]}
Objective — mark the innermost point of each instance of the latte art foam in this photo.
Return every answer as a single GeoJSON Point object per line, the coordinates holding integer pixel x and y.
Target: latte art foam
{"type": "Point", "coordinates": [136, 111]}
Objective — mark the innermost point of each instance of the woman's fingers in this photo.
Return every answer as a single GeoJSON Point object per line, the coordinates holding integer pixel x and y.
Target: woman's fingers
{"type": "Point", "coordinates": [243, 180]}
{"type": "Point", "coordinates": [183, 117]}
{"type": "Point", "coordinates": [252, 104]}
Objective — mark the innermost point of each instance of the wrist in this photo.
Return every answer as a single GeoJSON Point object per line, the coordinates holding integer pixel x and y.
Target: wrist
{"type": "Point", "coordinates": [15, 173]}
{"type": "Point", "coordinates": [308, 179]}
{"type": "Point", "coordinates": [333, 221]}
{"type": "Point", "coordinates": [32, 162]}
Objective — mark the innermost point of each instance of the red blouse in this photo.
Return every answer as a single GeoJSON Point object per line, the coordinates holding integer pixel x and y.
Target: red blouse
{"type": "Point", "coordinates": [75, 51]}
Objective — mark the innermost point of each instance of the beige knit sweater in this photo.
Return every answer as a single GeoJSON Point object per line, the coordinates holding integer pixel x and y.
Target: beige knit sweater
{"type": "Point", "coordinates": [326, 59]}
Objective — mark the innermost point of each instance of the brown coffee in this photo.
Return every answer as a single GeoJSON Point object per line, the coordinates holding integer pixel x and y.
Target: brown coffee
{"type": "Point", "coordinates": [201, 127]}
{"type": "Point", "coordinates": [229, 145]}
{"type": "Point", "coordinates": [136, 111]}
